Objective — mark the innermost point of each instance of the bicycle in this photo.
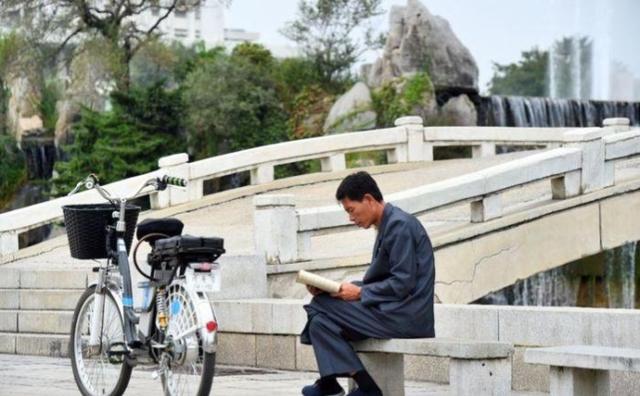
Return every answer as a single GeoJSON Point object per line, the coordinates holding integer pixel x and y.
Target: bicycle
{"type": "Point", "coordinates": [175, 328]}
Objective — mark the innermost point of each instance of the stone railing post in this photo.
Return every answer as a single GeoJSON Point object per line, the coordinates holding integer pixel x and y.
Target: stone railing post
{"type": "Point", "coordinates": [417, 149]}
{"type": "Point", "coordinates": [595, 172]}
{"type": "Point", "coordinates": [332, 163]}
{"type": "Point", "coordinates": [275, 228]}
{"type": "Point", "coordinates": [616, 124]}
{"type": "Point", "coordinates": [8, 242]}
{"type": "Point", "coordinates": [262, 174]}
{"type": "Point", "coordinates": [483, 150]}
{"type": "Point", "coordinates": [488, 208]}
{"type": "Point", "coordinates": [176, 165]}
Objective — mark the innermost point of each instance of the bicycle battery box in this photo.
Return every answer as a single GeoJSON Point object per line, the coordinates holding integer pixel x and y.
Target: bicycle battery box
{"type": "Point", "coordinates": [183, 249]}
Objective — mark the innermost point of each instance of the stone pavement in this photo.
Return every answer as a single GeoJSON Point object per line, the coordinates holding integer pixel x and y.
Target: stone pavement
{"type": "Point", "coordinates": [35, 375]}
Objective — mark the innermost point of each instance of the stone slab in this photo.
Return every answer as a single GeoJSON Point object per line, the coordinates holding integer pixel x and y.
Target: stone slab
{"type": "Point", "coordinates": [243, 276]}
{"type": "Point", "coordinates": [43, 299]}
{"type": "Point", "coordinates": [586, 356]}
{"type": "Point", "coordinates": [42, 345]}
{"type": "Point", "coordinates": [8, 343]}
{"type": "Point", "coordinates": [9, 299]}
{"type": "Point", "coordinates": [9, 278]}
{"type": "Point", "coordinates": [620, 219]}
{"type": "Point", "coordinates": [8, 321]}
{"type": "Point", "coordinates": [475, 322]}
{"type": "Point", "coordinates": [236, 349]}
{"type": "Point", "coordinates": [451, 348]}
{"type": "Point", "coordinates": [275, 351]}
{"type": "Point", "coordinates": [43, 279]}
{"type": "Point", "coordinates": [48, 322]}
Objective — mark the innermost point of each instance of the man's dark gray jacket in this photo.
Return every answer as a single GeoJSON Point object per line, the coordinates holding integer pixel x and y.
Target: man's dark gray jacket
{"type": "Point", "coordinates": [398, 286]}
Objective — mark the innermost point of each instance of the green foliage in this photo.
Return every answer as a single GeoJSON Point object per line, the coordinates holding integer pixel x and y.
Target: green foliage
{"type": "Point", "coordinates": [253, 53]}
{"type": "Point", "coordinates": [326, 30]}
{"type": "Point", "coordinates": [51, 93]}
{"type": "Point", "coordinates": [527, 77]}
{"type": "Point", "coordinates": [401, 97]}
{"type": "Point", "coordinates": [292, 76]}
{"type": "Point", "coordinates": [13, 172]}
{"type": "Point", "coordinates": [310, 109]}
{"type": "Point", "coordinates": [143, 126]}
{"type": "Point", "coordinates": [231, 105]}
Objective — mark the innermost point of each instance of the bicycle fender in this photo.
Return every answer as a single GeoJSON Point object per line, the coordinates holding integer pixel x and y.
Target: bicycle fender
{"type": "Point", "coordinates": [205, 314]}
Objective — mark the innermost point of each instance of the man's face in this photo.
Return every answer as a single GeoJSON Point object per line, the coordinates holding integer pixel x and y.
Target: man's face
{"type": "Point", "coordinates": [361, 213]}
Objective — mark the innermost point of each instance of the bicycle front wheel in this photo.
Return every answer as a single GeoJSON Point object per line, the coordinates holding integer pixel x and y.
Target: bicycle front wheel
{"type": "Point", "coordinates": [189, 370]}
{"type": "Point", "coordinates": [99, 370]}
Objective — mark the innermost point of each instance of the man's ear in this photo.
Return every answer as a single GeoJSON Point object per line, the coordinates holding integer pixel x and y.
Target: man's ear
{"type": "Point", "coordinates": [368, 198]}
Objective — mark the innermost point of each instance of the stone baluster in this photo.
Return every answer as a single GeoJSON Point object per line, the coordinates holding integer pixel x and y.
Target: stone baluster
{"type": "Point", "coordinates": [595, 172]}
{"type": "Point", "coordinates": [276, 228]}
{"type": "Point", "coordinates": [620, 124]}
{"type": "Point", "coordinates": [332, 163]}
{"type": "Point", "coordinates": [417, 148]}
{"type": "Point", "coordinates": [488, 208]}
{"type": "Point", "coordinates": [483, 150]}
{"type": "Point", "coordinates": [8, 242]}
{"type": "Point", "coordinates": [262, 174]}
{"type": "Point", "coordinates": [176, 165]}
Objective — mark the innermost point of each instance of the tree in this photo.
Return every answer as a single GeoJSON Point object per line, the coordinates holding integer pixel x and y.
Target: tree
{"type": "Point", "coordinates": [527, 77]}
{"type": "Point", "coordinates": [325, 31]}
{"type": "Point", "coordinates": [126, 26]}
{"type": "Point", "coordinates": [231, 104]}
{"type": "Point", "coordinates": [144, 125]}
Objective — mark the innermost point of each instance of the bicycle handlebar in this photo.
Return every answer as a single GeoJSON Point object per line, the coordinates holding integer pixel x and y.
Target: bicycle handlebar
{"type": "Point", "coordinates": [158, 184]}
{"type": "Point", "coordinates": [174, 181]}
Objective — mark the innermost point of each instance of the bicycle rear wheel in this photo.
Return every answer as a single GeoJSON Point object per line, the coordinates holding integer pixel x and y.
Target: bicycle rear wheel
{"type": "Point", "coordinates": [190, 369]}
{"type": "Point", "coordinates": [96, 371]}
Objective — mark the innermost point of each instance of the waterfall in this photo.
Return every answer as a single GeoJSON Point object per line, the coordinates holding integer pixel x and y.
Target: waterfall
{"type": "Point", "coordinates": [620, 274]}
{"type": "Point", "coordinates": [520, 111]}
{"type": "Point", "coordinates": [605, 280]}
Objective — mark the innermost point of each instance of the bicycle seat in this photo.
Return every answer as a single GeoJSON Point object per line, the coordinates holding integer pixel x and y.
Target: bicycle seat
{"type": "Point", "coordinates": [166, 227]}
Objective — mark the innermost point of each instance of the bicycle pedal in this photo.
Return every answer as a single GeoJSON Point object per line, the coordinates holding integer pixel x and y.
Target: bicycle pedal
{"type": "Point", "coordinates": [117, 353]}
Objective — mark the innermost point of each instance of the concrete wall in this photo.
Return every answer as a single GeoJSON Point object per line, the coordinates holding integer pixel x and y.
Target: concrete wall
{"type": "Point", "coordinates": [265, 332]}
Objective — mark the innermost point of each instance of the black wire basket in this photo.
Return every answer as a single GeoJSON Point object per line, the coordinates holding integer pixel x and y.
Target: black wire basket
{"type": "Point", "coordinates": [87, 228]}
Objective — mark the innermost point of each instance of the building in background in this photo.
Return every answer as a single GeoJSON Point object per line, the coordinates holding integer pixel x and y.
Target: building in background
{"type": "Point", "coordinates": [187, 25]}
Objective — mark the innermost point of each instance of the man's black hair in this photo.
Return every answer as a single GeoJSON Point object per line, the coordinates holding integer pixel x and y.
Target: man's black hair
{"type": "Point", "coordinates": [356, 185]}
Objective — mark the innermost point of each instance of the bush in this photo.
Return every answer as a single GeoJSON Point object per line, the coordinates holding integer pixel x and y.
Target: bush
{"type": "Point", "coordinates": [401, 97]}
{"type": "Point", "coordinates": [13, 172]}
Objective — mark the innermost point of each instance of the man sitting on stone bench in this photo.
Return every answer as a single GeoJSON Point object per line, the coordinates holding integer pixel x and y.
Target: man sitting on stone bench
{"type": "Point", "coordinates": [394, 299]}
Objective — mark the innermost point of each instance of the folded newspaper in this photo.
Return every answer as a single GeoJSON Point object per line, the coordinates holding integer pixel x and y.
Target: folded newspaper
{"type": "Point", "coordinates": [318, 281]}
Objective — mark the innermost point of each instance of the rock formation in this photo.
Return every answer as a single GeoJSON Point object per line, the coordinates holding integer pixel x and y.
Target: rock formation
{"type": "Point", "coordinates": [353, 111]}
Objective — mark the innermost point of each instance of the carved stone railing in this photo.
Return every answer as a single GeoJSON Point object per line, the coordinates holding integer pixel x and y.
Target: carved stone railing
{"type": "Point", "coordinates": [584, 163]}
{"type": "Point", "coordinates": [408, 141]}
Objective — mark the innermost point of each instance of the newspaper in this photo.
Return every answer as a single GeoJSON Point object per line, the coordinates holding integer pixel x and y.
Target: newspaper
{"type": "Point", "coordinates": [318, 281]}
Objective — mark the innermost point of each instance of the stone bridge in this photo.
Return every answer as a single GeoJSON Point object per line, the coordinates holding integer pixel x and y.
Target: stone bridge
{"type": "Point", "coordinates": [554, 196]}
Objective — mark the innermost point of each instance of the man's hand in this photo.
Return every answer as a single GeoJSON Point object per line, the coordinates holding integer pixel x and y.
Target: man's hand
{"type": "Point", "coordinates": [348, 292]}
{"type": "Point", "coordinates": [313, 290]}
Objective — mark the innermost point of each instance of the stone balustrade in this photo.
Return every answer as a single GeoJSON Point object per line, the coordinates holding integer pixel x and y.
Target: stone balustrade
{"type": "Point", "coordinates": [408, 141]}
{"type": "Point", "coordinates": [584, 163]}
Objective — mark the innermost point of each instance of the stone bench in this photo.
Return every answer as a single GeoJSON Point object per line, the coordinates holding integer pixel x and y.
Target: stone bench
{"type": "Point", "coordinates": [475, 368]}
{"type": "Point", "coordinates": [583, 369]}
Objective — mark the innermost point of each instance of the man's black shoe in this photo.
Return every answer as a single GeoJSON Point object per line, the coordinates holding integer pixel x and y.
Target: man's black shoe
{"type": "Point", "coordinates": [323, 388]}
{"type": "Point", "coordinates": [360, 392]}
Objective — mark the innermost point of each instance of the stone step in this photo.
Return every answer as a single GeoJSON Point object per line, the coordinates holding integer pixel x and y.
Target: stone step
{"type": "Point", "coordinates": [11, 278]}
{"type": "Point", "coordinates": [54, 345]}
{"type": "Point", "coordinates": [46, 322]}
{"type": "Point", "coordinates": [39, 299]}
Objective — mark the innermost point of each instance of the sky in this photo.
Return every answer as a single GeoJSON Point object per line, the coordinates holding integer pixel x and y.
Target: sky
{"type": "Point", "coordinates": [493, 30]}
